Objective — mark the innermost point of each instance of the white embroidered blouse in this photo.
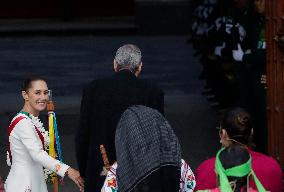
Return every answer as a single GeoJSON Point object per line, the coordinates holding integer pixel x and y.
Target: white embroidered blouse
{"type": "Point", "coordinates": [187, 180]}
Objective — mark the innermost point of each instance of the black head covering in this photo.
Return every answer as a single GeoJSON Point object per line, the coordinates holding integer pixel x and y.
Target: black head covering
{"type": "Point", "coordinates": [146, 145]}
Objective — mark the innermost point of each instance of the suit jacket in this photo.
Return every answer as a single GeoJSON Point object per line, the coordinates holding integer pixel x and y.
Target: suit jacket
{"type": "Point", "coordinates": [103, 102]}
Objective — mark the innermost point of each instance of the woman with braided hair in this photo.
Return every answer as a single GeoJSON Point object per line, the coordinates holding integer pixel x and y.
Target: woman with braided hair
{"type": "Point", "coordinates": [236, 129]}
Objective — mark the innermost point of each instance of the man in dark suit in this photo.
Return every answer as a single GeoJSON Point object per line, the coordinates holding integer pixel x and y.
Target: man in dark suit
{"type": "Point", "coordinates": [103, 102]}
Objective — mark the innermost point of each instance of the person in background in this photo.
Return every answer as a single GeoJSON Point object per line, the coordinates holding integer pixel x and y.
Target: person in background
{"type": "Point", "coordinates": [236, 129]}
{"type": "Point", "coordinates": [148, 155]}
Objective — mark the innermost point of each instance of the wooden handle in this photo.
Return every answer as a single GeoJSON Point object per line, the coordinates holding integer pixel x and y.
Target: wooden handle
{"type": "Point", "coordinates": [50, 106]}
{"type": "Point", "coordinates": [104, 156]}
{"type": "Point", "coordinates": [55, 185]}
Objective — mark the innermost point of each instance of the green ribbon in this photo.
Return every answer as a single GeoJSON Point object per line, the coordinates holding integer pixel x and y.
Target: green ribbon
{"type": "Point", "coordinates": [25, 113]}
{"type": "Point", "coordinates": [237, 171]}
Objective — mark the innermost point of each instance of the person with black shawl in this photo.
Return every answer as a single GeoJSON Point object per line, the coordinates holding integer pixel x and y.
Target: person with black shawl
{"type": "Point", "coordinates": [148, 155]}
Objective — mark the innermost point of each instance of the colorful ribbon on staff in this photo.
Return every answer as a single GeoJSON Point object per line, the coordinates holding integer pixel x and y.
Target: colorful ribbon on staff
{"type": "Point", "coordinates": [54, 146]}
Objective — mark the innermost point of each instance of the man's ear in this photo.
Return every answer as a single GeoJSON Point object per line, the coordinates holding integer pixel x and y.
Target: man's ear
{"type": "Point", "coordinates": [115, 66]}
{"type": "Point", "coordinates": [140, 66]}
{"type": "Point", "coordinates": [139, 69]}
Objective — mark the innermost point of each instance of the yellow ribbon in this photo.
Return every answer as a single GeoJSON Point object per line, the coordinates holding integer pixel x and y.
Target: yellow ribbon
{"type": "Point", "coordinates": [51, 151]}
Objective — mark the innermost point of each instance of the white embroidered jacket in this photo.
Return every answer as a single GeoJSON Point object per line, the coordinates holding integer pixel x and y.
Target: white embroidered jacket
{"type": "Point", "coordinates": [28, 159]}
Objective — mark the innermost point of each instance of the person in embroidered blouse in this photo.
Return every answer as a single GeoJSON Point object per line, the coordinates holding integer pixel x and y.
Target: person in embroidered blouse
{"type": "Point", "coordinates": [148, 155]}
{"type": "Point", "coordinates": [27, 141]}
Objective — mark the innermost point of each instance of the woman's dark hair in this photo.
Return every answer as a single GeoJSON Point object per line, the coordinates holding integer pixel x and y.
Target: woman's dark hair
{"type": "Point", "coordinates": [232, 156]}
{"type": "Point", "coordinates": [27, 83]}
{"type": "Point", "coordinates": [238, 124]}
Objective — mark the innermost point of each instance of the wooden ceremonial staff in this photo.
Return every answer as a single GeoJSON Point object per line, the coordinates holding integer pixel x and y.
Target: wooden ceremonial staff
{"type": "Point", "coordinates": [52, 151]}
{"type": "Point", "coordinates": [105, 157]}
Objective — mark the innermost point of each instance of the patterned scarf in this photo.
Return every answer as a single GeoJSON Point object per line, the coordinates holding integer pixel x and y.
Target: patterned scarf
{"type": "Point", "coordinates": [145, 142]}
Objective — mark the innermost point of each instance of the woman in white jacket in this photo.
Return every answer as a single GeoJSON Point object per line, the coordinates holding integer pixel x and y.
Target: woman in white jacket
{"type": "Point", "coordinates": [28, 141]}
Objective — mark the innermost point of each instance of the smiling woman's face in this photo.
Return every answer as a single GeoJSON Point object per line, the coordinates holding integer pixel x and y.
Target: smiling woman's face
{"type": "Point", "coordinates": [36, 96]}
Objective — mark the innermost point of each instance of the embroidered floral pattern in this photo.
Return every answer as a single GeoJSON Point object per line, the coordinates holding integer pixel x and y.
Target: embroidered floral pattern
{"type": "Point", "coordinates": [187, 180]}
{"type": "Point", "coordinates": [57, 167]}
{"type": "Point", "coordinates": [111, 183]}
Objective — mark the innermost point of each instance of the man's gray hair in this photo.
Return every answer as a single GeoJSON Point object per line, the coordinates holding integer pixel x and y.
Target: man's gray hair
{"type": "Point", "coordinates": [128, 56]}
